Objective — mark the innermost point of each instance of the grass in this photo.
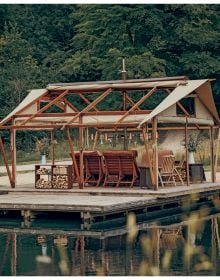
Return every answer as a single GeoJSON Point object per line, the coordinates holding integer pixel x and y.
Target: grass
{"type": "Point", "coordinates": [62, 152]}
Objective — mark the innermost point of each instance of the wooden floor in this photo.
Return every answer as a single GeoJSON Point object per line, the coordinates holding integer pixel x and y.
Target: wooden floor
{"type": "Point", "coordinates": [67, 202]}
{"type": "Point", "coordinates": [98, 201]}
{"type": "Point", "coordinates": [167, 191]}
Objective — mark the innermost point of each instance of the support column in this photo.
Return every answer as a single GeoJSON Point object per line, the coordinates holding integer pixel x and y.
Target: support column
{"type": "Point", "coordinates": [13, 156]}
{"type": "Point", "coordinates": [75, 166]}
{"type": "Point", "coordinates": [81, 173]}
{"type": "Point", "coordinates": [95, 140]}
{"type": "Point", "coordinates": [52, 147]}
{"type": "Point", "coordinates": [155, 151]}
{"type": "Point", "coordinates": [6, 162]}
{"type": "Point", "coordinates": [212, 153]}
{"type": "Point", "coordinates": [187, 153]}
{"type": "Point", "coordinates": [148, 160]}
{"type": "Point", "coordinates": [216, 153]}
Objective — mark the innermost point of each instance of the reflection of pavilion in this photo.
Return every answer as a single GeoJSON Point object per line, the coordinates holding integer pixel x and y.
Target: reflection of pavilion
{"type": "Point", "coordinates": [107, 252]}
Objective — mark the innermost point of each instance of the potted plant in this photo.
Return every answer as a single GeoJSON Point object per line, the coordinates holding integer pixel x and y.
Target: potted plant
{"type": "Point", "coordinates": [42, 147]}
{"type": "Point", "coordinates": [191, 149]}
{"type": "Point", "coordinates": [193, 142]}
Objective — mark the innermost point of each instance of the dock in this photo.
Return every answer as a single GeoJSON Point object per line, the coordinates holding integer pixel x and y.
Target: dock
{"type": "Point", "coordinates": [94, 203]}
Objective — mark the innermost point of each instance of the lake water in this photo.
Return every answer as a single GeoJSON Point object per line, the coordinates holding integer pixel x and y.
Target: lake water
{"type": "Point", "coordinates": [178, 244]}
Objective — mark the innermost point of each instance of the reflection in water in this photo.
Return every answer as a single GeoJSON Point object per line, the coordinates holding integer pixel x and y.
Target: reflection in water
{"type": "Point", "coordinates": [188, 247]}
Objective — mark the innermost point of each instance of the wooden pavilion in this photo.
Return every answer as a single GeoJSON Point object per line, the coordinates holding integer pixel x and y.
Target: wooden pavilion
{"type": "Point", "coordinates": [187, 104]}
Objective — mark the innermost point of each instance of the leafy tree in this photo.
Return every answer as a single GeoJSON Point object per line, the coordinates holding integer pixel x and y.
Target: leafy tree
{"type": "Point", "coordinates": [19, 71]}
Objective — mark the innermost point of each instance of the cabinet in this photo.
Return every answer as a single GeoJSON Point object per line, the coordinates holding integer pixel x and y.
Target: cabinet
{"type": "Point", "coordinates": [196, 172]}
{"type": "Point", "coordinates": [145, 179]}
{"type": "Point", "coordinates": [53, 177]}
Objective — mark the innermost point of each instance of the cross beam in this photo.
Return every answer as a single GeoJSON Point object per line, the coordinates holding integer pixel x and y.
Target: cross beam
{"type": "Point", "coordinates": [70, 105]}
{"type": "Point", "coordinates": [137, 104]}
{"type": "Point", "coordinates": [87, 101]}
{"type": "Point", "coordinates": [90, 106]}
{"type": "Point", "coordinates": [54, 101]}
{"type": "Point", "coordinates": [132, 101]}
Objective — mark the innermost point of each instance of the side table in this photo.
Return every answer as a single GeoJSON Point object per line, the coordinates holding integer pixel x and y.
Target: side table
{"type": "Point", "coordinates": [196, 172]}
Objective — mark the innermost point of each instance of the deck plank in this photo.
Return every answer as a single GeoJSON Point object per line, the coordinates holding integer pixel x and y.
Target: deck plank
{"type": "Point", "coordinates": [69, 202]}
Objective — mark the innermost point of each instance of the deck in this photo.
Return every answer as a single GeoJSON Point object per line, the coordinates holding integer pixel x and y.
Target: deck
{"type": "Point", "coordinates": [93, 202]}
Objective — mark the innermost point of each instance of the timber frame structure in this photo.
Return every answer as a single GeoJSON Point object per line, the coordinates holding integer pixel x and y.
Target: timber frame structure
{"type": "Point", "coordinates": [35, 113]}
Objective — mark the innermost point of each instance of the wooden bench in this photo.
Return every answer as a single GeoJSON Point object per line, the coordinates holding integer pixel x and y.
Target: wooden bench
{"type": "Point", "coordinates": [120, 167]}
{"type": "Point", "coordinates": [94, 167]}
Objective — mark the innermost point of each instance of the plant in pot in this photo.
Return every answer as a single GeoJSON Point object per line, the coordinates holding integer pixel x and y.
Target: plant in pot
{"type": "Point", "coordinates": [194, 141]}
{"type": "Point", "coordinates": [42, 147]}
{"type": "Point", "coordinates": [191, 149]}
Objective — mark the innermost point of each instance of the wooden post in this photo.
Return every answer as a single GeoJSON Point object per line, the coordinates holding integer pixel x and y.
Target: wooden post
{"type": "Point", "coordinates": [87, 138]}
{"type": "Point", "coordinates": [6, 162]}
{"type": "Point", "coordinates": [73, 154]}
{"type": "Point", "coordinates": [13, 156]}
{"type": "Point", "coordinates": [14, 254]}
{"type": "Point", "coordinates": [145, 137]}
{"type": "Point", "coordinates": [212, 153]}
{"type": "Point", "coordinates": [95, 140]}
{"type": "Point", "coordinates": [186, 153]}
{"type": "Point", "coordinates": [124, 100]}
{"type": "Point", "coordinates": [155, 152]}
{"type": "Point", "coordinates": [52, 146]}
{"type": "Point", "coordinates": [81, 173]}
{"type": "Point", "coordinates": [216, 153]}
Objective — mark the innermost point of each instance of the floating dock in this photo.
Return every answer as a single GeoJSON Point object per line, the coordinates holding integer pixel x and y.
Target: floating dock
{"type": "Point", "coordinates": [95, 203]}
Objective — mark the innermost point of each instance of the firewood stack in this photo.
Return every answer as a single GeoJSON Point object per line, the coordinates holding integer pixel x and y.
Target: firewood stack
{"type": "Point", "coordinates": [60, 182]}
{"type": "Point", "coordinates": [53, 177]}
{"type": "Point", "coordinates": [43, 184]}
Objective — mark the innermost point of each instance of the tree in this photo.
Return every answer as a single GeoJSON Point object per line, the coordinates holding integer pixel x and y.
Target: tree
{"type": "Point", "coordinates": [19, 71]}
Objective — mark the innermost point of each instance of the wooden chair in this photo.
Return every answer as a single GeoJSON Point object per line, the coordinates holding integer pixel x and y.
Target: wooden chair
{"type": "Point", "coordinates": [129, 169]}
{"type": "Point", "coordinates": [161, 154]}
{"type": "Point", "coordinates": [180, 170]}
{"type": "Point", "coordinates": [94, 167]}
{"type": "Point", "coordinates": [77, 157]}
{"type": "Point", "coordinates": [120, 167]}
{"type": "Point", "coordinates": [113, 174]}
{"type": "Point", "coordinates": [167, 170]}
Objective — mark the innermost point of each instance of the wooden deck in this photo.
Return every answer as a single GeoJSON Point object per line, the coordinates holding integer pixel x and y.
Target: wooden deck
{"type": "Point", "coordinates": [168, 191]}
{"type": "Point", "coordinates": [91, 202]}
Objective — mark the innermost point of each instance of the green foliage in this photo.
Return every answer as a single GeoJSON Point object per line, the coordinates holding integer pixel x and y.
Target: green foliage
{"type": "Point", "coordinates": [41, 44]}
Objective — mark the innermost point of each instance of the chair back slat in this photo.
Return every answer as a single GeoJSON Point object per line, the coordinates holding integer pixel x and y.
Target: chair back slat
{"type": "Point", "coordinates": [94, 162]}
{"type": "Point", "coordinates": [168, 164]}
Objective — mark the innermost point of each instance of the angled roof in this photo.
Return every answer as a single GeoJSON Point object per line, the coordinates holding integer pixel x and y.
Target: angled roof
{"type": "Point", "coordinates": [201, 87]}
{"type": "Point", "coordinates": [27, 113]}
{"type": "Point", "coordinates": [30, 99]}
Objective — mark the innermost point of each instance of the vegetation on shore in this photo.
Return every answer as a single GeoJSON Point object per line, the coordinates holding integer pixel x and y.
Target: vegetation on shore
{"type": "Point", "coordinates": [41, 44]}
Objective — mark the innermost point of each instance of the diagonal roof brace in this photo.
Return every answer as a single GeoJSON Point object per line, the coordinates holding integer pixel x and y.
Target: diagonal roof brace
{"type": "Point", "coordinates": [90, 106]}
{"type": "Point", "coordinates": [138, 104]}
{"type": "Point", "coordinates": [54, 101]}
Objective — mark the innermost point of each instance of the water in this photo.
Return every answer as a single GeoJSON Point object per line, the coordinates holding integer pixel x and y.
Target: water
{"type": "Point", "coordinates": [181, 244]}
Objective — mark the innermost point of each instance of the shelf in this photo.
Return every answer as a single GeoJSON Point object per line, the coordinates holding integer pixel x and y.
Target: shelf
{"type": "Point", "coordinates": [53, 176]}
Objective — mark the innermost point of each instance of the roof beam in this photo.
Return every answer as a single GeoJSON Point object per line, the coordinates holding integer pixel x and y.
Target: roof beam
{"type": "Point", "coordinates": [138, 103]}
{"type": "Point", "coordinates": [24, 108]}
{"type": "Point", "coordinates": [91, 105]}
{"type": "Point", "coordinates": [122, 81]}
{"type": "Point", "coordinates": [131, 101]}
{"type": "Point", "coordinates": [70, 105]}
{"type": "Point", "coordinates": [54, 101]}
{"type": "Point", "coordinates": [87, 101]}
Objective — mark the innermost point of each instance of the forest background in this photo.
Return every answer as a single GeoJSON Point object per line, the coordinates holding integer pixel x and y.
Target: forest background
{"type": "Point", "coordinates": [41, 44]}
